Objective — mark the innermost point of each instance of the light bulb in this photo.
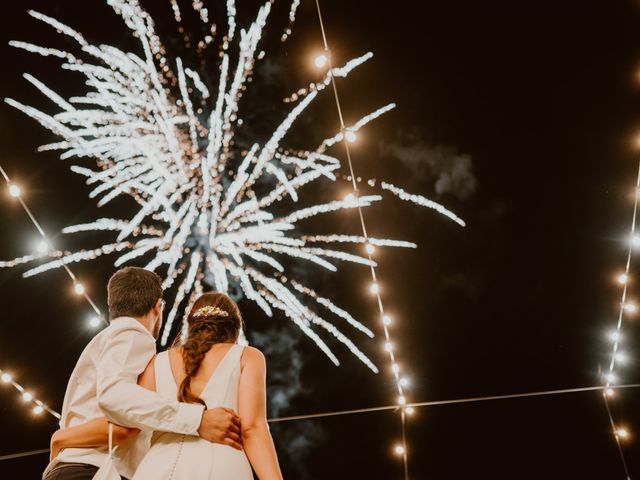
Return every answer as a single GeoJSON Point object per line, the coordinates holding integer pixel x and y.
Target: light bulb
{"type": "Point", "coordinates": [42, 246]}
{"type": "Point", "coordinates": [609, 392]}
{"type": "Point", "coordinates": [620, 357]}
{"type": "Point", "coordinates": [27, 397]}
{"type": "Point", "coordinates": [622, 279]}
{"type": "Point", "coordinates": [402, 400]}
{"type": "Point", "coordinates": [350, 136]}
{"type": "Point", "coordinates": [386, 319]}
{"type": "Point", "coordinates": [375, 288]}
{"type": "Point", "coordinates": [404, 381]}
{"type": "Point", "coordinates": [630, 307]}
{"type": "Point", "coordinates": [388, 347]}
{"type": "Point", "coordinates": [14, 190]}
{"type": "Point", "coordinates": [614, 336]}
{"type": "Point", "coordinates": [349, 197]}
{"type": "Point", "coordinates": [409, 410]}
{"type": "Point", "coordinates": [38, 409]}
{"type": "Point", "coordinates": [370, 249]}
{"type": "Point", "coordinates": [94, 321]}
{"type": "Point", "coordinates": [635, 241]}
{"type": "Point", "coordinates": [622, 433]}
{"type": "Point", "coordinates": [321, 60]}
{"type": "Point", "coordinates": [395, 368]}
{"type": "Point", "coordinates": [399, 449]}
{"type": "Point", "coordinates": [78, 288]}
{"type": "Point", "coordinates": [6, 378]}
{"type": "Point", "coordinates": [611, 377]}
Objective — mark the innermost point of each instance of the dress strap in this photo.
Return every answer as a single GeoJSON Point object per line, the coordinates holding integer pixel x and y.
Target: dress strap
{"type": "Point", "coordinates": [165, 383]}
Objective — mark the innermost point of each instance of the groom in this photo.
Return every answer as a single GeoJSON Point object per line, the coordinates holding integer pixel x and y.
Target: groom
{"type": "Point", "coordinates": [104, 384]}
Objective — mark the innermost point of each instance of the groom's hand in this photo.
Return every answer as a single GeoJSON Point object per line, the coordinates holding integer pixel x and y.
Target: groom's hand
{"type": "Point", "coordinates": [221, 425]}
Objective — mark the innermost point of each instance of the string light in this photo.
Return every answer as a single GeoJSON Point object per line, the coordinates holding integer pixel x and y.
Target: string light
{"type": "Point", "coordinates": [370, 249]}
{"type": "Point", "coordinates": [37, 407]}
{"type": "Point", "coordinates": [321, 60]}
{"type": "Point", "coordinates": [14, 190]}
{"type": "Point", "coordinates": [44, 244]}
{"type": "Point", "coordinates": [78, 288]}
{"type": "Point", "coordinates": [622, 433]}
{"type": "Point", "coordinates": [374, 288]}
{"type": "Point", "coordinates": [350, 136]}
{"type": "Point", "coordinates": [94, 322]}
{"type": "Point", "coordinates": [399, 449]}
{"type": "Point", "coordinates": [42, 247]}
{"type": "Point", "coordinates": [617, 357]}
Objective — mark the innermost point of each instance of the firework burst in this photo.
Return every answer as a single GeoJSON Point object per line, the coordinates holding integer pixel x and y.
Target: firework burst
{"type": "Point", "coordinates": [205, 207]}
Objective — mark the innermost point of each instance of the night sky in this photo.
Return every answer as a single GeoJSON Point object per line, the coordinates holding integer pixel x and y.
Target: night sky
{"type": "Point", "coordinates": [531, 107]}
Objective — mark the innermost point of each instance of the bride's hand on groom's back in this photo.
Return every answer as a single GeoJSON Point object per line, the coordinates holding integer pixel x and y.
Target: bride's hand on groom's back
{"type": "Point", "coordinates": [221, 425]}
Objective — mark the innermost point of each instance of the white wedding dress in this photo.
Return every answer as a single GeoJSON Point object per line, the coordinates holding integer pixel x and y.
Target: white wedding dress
{"type": "Point", "coordinates": [182, 457]}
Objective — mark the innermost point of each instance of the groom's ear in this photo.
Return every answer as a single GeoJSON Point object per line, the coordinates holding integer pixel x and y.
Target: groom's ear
{"type": "Point", "coordinates": [157, 307]}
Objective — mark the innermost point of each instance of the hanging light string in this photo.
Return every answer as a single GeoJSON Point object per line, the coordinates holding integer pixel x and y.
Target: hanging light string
{"type": "Point", "coordinates": [625, 307]}
{"type": "Point", "coordinates": [616, 434]}
{"type": "Point", "coordinates": [37, 407]}
{"type": "Point", "coordinates": [347, 137]}
{"type": "Point", "coordinates": [45, 246]}
{"type": "Point", "coordinates": [434, 403]}
{"type": "Point", "coordinates": [455, 401]}
{"type": "Point", "coordinates": [617, 357]}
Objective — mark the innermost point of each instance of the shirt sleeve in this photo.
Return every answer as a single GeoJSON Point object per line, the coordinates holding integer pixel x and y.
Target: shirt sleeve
{"type": "Point", "coordinates": [125, 353]}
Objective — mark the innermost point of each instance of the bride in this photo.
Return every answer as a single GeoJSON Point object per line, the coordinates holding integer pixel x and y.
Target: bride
{"type": "Point", "coordinates": [212, 369]}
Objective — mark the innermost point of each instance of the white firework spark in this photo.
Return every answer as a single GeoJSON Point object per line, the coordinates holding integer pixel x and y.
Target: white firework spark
{"type": "Point", "coordinates": [205, 207]}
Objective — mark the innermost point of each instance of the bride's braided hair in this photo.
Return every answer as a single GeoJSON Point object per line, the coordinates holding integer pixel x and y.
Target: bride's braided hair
{"type": "Point", "coordinates": [214, 318]}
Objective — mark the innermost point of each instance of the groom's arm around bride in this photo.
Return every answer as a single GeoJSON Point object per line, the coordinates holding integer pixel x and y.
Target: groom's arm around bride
{"type": "Point", "coordinates": [125, 354]}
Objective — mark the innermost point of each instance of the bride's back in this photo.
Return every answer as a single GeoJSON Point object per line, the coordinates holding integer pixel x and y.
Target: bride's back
{"type": "Point", "coordinates": [210, 363]}
{"type": "Point", "coordinates": [180, 456]}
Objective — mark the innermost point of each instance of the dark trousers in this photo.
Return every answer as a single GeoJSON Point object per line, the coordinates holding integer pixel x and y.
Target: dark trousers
{"type": "Point", "coordinates": [72, 471]}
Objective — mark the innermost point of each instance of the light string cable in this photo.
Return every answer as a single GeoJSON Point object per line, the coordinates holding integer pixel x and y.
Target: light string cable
{"type": "Point", "coordinates": [37, 406]}
{"type": "Point", "coordinates": [617, 357]}
{"type": "Point", "coordinates": [45, 247]}
{"type": "Point", "coordinates": [433, 403]}
{"type": "Point", "coordinates": [400, 449]}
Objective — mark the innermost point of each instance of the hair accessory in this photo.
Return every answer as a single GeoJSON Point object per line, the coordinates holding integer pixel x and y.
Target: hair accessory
{"type": "Point", "coordinates": [210, 311]}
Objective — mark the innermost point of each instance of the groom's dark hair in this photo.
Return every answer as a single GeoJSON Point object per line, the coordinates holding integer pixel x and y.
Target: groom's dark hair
{"type": "Point", "coordinates": [132, 292]}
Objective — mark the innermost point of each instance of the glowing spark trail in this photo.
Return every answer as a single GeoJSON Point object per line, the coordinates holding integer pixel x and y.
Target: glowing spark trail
{"type": "Point", "coordinates": [208, 210]}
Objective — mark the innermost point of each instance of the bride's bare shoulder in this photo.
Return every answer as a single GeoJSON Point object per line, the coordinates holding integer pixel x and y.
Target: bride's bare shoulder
{"type": "Point", "coordinates": [253, 357]}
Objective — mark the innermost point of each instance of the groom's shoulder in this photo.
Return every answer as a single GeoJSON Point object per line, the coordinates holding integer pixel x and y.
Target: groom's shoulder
{"type": "Point", "coordinates": [121, 325]}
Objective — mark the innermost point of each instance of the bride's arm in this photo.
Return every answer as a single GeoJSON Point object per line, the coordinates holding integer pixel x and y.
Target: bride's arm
{"type": "Point", "coordinates": [252, 408]}
{"type": "Point", "coordinates": [94, 433]}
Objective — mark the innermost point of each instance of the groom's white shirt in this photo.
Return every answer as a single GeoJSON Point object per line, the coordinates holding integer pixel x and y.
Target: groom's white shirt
{"type": "Point", "coordinates": [104, 384]}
